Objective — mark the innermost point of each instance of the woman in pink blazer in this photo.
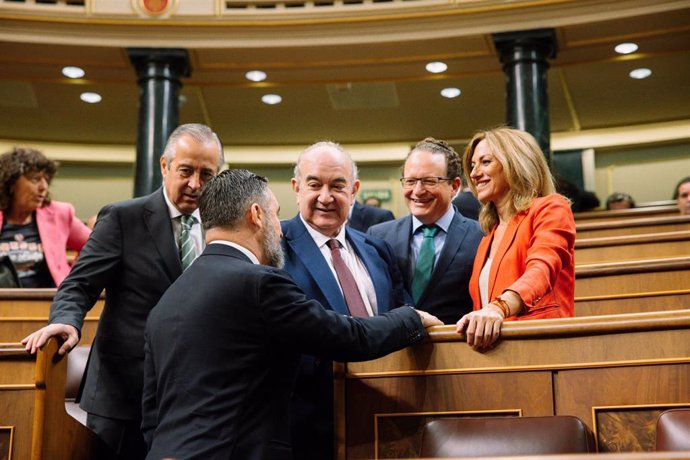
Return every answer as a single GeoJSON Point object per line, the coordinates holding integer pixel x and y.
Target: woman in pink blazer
{"type": "Point", "coordinates": [524, 267]}
{"type": "Point", "coordinates": [35, 232]}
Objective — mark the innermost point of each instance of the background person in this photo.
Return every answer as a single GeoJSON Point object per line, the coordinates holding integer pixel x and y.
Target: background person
{"type": "Point", "coordinates": [682, 196]}
{"type": "Point", "coordinates": [363, 216]}
{"type": "Point", "coordinates": [134, 253]}
{"type": "Point", "coordinates": [36, 231]}
{"type": "Point", "coordinates": [524, 267]}
{"type": "Point", "coordinates": [437, 281]}
{"type": "Point", "coordinates": [221, 365]}
{"type": "Point", "coordinates": [619, 200]}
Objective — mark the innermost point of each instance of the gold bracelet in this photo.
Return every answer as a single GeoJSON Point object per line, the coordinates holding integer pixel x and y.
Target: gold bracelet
{"type": "Point", "coordinates": [503, 305]}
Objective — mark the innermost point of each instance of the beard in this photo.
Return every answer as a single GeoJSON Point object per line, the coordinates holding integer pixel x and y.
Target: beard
{"type": "Point", "coordinates": [272, 248]}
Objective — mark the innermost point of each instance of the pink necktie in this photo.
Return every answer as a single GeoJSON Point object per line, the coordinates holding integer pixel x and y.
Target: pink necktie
{"type": "Point", "coordinates": [353, 299]}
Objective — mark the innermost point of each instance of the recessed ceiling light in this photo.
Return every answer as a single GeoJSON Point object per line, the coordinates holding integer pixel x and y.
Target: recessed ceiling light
{"type": "Point", "coordinates": [271, 99]}
{"type": "Point", "coordinates": [450, 93]}
{"type": "Point", "coordinates": [436, 67]}
{"type": "Point", "coordinates": [626, 48]}
{"type": "Point", "coordinates": [91, 98]}
{"type": "Point", "coordinates": [255, 75]}
{"type": "Point", "coordinates": [73, 72]}
{"type": "Point", "coordinates": [639, 74]}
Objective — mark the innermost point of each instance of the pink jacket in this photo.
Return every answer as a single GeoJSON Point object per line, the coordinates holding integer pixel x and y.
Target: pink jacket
{"type": "Point", "coordinates": [59, 230]}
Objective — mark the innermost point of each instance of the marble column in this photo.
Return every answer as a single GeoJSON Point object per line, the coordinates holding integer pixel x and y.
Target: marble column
{"type": "Point", "coordinates": [159, 71]}
{"type": "Point", "coordinates": [524, 57]}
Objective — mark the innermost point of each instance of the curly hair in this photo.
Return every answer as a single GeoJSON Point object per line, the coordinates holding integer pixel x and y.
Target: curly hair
{"type": "Point", "coordinates": [436, 146]}
{"type": "Point", "coordinates": [20, 161]}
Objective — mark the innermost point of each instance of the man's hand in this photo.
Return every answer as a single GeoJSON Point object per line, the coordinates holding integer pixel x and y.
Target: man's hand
{"type": "Point", "coordinates": [428, 319]}
{"type": "Point", "coordinates": [37, 339]}
{"type": "Point", "coordinates": [482, 327]}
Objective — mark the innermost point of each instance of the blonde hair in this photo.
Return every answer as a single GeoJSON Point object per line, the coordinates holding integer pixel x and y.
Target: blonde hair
{"type": "Point", "coordinates": [524, 167]}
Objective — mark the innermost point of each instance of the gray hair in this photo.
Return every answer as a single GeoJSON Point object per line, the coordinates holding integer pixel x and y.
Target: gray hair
{"type": "Point", "coordinates": [225, 199]}
{"type": "Point", "coordinates": [201, 134]}
{"type": "Point", "coordinates": [325, 145]}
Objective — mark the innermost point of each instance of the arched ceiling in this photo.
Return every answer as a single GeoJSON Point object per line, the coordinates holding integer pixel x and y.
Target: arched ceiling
{"type": "Point", "coordinates": [351, 77]}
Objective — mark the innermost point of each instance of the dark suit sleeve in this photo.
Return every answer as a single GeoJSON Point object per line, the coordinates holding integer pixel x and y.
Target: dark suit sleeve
{"type": "Point", "coordinates": [149, 415]}
{"type": "Point", "coordinates": [97, 262]}
{"type": "Point", "coordinates": [399, 294]}
{"type": "Point", "coordinates": [304, 324]}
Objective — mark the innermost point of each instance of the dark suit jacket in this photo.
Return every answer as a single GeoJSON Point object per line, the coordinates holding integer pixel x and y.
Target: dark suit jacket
{"type": "Point", "coordinates": [312, 405]}
{"type": "Point", "coordinates": [132, 254]}
{"type": "Point", "coordinates": [220, 364]}
{"type": "Point", "coordinates": [468, 205]}
{"type": "Point", "coordinates": [447, 295]}
{"type": "Point", "coordinates": [364, 216]}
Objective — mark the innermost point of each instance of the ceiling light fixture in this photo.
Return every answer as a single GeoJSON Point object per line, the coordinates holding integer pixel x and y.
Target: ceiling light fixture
{"type": "Point", "coordinates": [91, 98]}
{"type": "Point", "coordinates": [639, 74]}
{"type": "Point", "coordinates": [450, 93]}
{"type": "Point", "coordinates": [73, 72]}
{"type": "Point", "coordinates": [436, 67]}
{"type": "Point", "coordinates": [271, 99]}
{"type": "Point", "coordinates": [626, 48]}
{"type": "Point", "coordinates": [255, 75]}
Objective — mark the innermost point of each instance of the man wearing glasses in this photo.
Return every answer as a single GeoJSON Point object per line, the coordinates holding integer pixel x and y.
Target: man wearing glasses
{"type": "Point", "coordinates": [435, 245]}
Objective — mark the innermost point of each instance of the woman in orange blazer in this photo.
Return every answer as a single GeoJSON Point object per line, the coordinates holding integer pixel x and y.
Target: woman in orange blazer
{"type": "Point", "coordinates": [524, 267]}
{"type": "Point", "coordinates": [35, 231]}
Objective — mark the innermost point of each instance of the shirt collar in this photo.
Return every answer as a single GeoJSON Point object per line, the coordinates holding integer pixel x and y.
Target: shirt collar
{"type": "Point", "coordinates": [443, 223]}
{"type": "Point", "coordinates": [242, 249]}
{"type": "Point", "coordinates": [320, 239]}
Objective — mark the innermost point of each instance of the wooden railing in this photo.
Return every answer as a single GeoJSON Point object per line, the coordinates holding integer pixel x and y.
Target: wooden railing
{"type": "Point", "coordinates": [616, 373]}
{"type": "Point", "coordinates": [23, 311]}
{"type": "Point", "coordinates": [32, 395]}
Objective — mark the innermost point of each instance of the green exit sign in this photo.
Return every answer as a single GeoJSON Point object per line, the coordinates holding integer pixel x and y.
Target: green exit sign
{"type": "Point", "coordinates": [382, 194]}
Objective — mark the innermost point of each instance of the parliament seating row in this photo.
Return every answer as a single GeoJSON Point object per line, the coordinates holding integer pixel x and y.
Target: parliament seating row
{"type": "Point", "coordinates": [634, 226]}
{"type": "Point", "coordinates": [34, 420]}
{"type": "Point", "coordinates": [662, 209]}
{"type": "Point", "coordinates": [471, 437]}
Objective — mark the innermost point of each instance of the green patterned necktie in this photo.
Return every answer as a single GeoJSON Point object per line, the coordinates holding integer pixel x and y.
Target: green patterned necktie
{"type": "Point", "coordinates": [187, 250]}
{"type": "Point", "coordinates": [425, 262]}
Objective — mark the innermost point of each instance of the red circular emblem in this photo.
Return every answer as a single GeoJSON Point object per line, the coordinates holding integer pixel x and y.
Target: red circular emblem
{"type": "Point", "coordinates": [154, 6]}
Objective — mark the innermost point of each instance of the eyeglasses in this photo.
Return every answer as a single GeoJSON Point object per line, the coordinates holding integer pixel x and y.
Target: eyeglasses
{"type": "Point", "coordinates": [427, 182]}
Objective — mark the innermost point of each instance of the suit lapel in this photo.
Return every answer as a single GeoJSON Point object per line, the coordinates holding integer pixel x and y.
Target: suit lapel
{"type": "Point", "coordinates": [368, 255]}
{"type": "Point", "coordinates": [452, 245]}
{"type": "Point", "coordinates": [506, 243]}
{"type": "Point", "coordinates": [157, 221]}
{"type": "Point", "coordinates": [304, 248]}
{"type": "Point", "coordinates": [400, 243]}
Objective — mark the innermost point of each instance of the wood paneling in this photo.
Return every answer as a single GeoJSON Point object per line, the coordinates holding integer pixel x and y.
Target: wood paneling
{"type": "Point", "coordinates": [32, 400]}
{"type": "Point", "coordinates": [541, 367]}
{"type": "Point", "coordinates": [632, 226]}
{"type": "Point", "coordinates": [632, 247]}
{"type": "Point", "coordinates": [632, 303]}
{"type": "Point", "coordinates": [633, 213]}
{"type": "Point", "coordinates": [630, 277]}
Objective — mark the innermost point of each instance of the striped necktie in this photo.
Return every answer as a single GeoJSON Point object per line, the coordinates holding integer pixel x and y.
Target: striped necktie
{"type": "Point", "coordinates": [187, 250]}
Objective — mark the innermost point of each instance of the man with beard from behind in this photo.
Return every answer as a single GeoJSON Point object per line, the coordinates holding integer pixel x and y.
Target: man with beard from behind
{"type": "Point", "coordinates": [223, 344]}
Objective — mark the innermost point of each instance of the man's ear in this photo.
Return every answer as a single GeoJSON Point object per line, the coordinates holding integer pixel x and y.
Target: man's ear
{"type": "Point", "coordinates": [164, 165]}
{"type": "Point", "coordinates": [455, 185]}
{"type": "Point", "coordinates": [256, 215]}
